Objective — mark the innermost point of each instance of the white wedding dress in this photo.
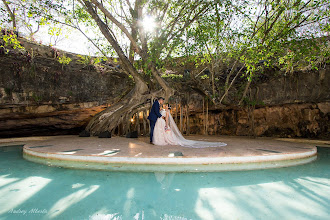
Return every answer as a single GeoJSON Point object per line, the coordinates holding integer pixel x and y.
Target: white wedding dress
{"type": "Point", "coordinates": [172, 135]}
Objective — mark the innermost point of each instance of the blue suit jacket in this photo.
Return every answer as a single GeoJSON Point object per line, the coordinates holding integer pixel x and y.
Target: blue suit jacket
{"type": "Point", "coordinates": [154, 113]}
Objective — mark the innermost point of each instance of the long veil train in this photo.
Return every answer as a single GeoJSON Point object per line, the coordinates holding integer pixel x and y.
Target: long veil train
{"type": "Point", "coordinates": [190, 143]}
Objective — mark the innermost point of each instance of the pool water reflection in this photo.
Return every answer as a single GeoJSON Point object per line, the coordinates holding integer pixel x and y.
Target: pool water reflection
{"type": "Point", "coordinates": [33, 191]}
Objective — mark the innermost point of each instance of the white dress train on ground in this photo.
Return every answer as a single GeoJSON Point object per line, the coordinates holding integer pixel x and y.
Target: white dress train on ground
{"type": "Point", "coordinates": [172, 135]}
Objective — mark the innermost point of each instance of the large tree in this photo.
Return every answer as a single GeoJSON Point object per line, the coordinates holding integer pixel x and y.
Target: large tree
{"type": "Point", "coordinates": [243, 39]}
{"type": "Point", "coordinates": [144, 34]}
{"type": "Point", "coordinates": [125, 25]}
{"type": "Point", "coordinates": [171, 18]}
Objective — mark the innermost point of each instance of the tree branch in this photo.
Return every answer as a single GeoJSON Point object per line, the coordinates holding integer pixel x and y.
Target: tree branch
{"type": "Point", "coordinates": [118, 24]}
{"type": "Point", "coordinates": [11, 13]}
{"type": "Point", "coordinates": [187, 23]}
{"type": "Point", "coordinates": [125, 61]}
{"type": "Point", "coordinates": [231, 83]}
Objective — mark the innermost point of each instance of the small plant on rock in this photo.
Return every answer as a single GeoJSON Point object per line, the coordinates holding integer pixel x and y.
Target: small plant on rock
{"type": "Point", "coordinates": [8, 40]}
{"type": "Point", "coordinates": [64, 60]}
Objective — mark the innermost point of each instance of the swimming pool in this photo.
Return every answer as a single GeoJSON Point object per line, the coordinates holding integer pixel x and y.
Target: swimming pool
{"type": "Point", "coordinates": [33, 191]}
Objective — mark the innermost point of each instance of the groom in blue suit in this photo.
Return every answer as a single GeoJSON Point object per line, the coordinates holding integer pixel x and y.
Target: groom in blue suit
{"type": "Point", "coordinates": [154, 114]}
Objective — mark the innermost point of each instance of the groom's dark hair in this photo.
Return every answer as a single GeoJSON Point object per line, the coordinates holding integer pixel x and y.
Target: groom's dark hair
{"type": "Point", "coordinates": [159, 98]}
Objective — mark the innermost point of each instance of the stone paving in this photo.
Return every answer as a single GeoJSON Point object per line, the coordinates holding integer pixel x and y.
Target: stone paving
{"type": "Point", "coordinates": [130, 147]}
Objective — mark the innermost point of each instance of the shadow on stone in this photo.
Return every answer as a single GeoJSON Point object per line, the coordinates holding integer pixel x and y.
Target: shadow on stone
{"type": "Point", "coordinates": [133, 134]}
{"type": "Point", "coordinates": [105, 134]}
{"type": "Point", "coordinates": [84, 133]}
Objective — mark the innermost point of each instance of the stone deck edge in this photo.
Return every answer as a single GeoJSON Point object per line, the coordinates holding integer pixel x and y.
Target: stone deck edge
{"type": "Point", "coordinates": [162, 164]}
{"type": "Point", "coordinates": [173, 160]}
{"type": "Point", "coordinates": [130, 167]}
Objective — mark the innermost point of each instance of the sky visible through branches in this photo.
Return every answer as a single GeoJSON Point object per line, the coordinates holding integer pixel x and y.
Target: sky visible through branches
{"type": "Point", "coordinates": [73, 41]}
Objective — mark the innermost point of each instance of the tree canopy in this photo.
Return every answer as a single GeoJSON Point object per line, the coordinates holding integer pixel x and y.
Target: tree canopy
{"type": "Point", "coordinates": [234, 39]}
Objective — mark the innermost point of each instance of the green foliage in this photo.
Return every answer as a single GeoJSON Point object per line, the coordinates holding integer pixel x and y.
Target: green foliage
{"type": "Point", "coordinates": [30, 15]}
{"type": "Point", "coordinates": [70, 93]}
{"type": "Point", "coordinates": [54, 31]}
{"type": "Point", "coordinates": [8, 91]}
{"type": "Point", "coordinates": [252, 102]}
{"type": "Point", "coordinates": [172, 76]}
{"type": "Point", "coordinates": [308, 53]}
{"type": "Point", "coordinates": [85, 60]}
{"type": "Point", "coordinates": [64, 60]}
{"type": "Point", "coordinates": [88, 60]}
{"type": "Point", "coordinates": [9, 40]}
{"type": "Point", "coordinates": [97, 60]}
{"type": "Point", "coordinates": [325, 53]}
{"type": "Point", "coordinates": [205, 76]}
{"type": "Point", "coordinates": [36, 98]}
{"type": "Point", "coordinates": [217, 34]}
{"type": "Point", "coordinates": [268, 34]}
{"type": "Point", "coordinates": [57, 33]}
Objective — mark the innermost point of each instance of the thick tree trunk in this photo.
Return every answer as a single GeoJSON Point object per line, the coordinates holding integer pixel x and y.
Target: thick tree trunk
{"type": "Point", "coordinates": [116, 114]}
{"type": "Point", "coordinates": [120, 113]}
{"type": "Point", "coordinates": [137, 99]}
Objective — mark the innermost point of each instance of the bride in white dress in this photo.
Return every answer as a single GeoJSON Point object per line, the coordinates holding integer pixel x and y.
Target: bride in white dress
{"type": "Point", "coordinates": [167, 133]}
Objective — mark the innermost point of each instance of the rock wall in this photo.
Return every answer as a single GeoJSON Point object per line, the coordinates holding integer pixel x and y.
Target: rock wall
{"type": "Point", "coordinates": [53, 119]}
{"type": "Point", "coordinates": [295, 105]}
{"type": "Point", "coordinates": [39, 96]}
{"type": "Point", "coordinates": [306, 120]}
{"type": "Point", "coordinates": [36, 77]}
{"type": "Point", "coordinates": [298, 87]}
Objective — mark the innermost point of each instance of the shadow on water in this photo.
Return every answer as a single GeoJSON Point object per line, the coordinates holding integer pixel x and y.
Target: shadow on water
{"type": "Point", "coordinates": [34, 191]}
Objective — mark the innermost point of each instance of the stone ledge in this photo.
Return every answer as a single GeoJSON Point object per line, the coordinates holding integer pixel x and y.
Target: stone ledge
{"type": "Point", "coordinates": [136, 155]}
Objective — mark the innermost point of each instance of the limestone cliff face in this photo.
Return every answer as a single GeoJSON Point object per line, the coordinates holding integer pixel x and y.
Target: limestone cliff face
{"type": "Point", "coordinates": [296, 105]}
{"type": "Point", "coordinates": [40, 96]}
{"type": "Point", "coordinates": [289, 120]}
{"type": "Point", "coordinates": [46, 119]}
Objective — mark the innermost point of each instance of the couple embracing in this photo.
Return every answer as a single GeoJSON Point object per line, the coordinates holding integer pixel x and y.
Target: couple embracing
{"type": "Point", "coordinates": [164, 131]}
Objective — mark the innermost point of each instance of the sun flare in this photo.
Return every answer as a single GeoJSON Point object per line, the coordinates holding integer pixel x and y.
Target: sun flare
{"type": "Point", "coordinates": [149, 23]}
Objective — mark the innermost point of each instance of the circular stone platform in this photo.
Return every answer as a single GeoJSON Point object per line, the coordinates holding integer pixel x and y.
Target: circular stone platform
{"type": "Point", "coordinates": [137, 155]}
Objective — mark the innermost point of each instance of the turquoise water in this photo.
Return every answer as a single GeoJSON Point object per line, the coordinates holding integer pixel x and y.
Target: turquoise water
{"type": "Point", "coordinates": [33, 191]}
